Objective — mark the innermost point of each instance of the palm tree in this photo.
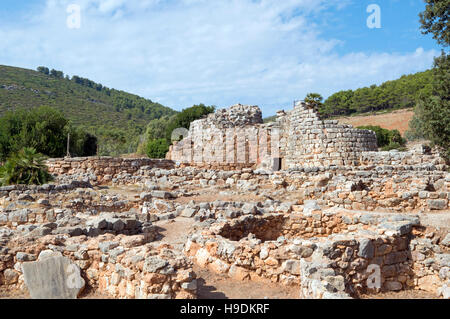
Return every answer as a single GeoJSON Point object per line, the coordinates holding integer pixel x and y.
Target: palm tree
{"type": "Point", "coordinates": [25, 167]}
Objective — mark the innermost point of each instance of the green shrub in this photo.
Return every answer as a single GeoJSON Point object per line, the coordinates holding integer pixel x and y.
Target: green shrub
{"type": "Point", "coordinates": [45, 129]}
{"type": "Point", "coordinates": [186, 117]}
{"type": "Point", "coordinates": [156, 129]}
{"type": "Point", "coordinates": [25, 167]}
{"type": "Point", "coordinates": [157, 148]}
{"type": "Point", "coordinates": [415, 131]}
{"type": "Point", "coordinates": [386, 138]}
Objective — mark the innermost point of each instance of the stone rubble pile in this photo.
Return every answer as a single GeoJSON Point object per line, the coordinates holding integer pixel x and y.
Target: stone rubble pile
{"type": "Point", "coordinates": [119, 266]}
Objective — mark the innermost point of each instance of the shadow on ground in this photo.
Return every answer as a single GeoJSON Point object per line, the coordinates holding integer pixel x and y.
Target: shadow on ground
{"type": "Point", "coordinates": [208, 292]}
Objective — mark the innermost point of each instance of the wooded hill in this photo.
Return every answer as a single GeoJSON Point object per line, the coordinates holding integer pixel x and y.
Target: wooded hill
{"type": "Point", "coordinates": [116, 117]}
{"type": "Point", "coordinates": [391, 95]}
{"type": "Point", "coordinates": [397, 94]}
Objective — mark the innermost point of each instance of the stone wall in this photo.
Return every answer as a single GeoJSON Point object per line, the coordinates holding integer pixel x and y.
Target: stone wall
{"type": "Point", "coordinates": [237, 138]}
{"type": "Point", "coordinates": [310, 141]}
{"type": "Point", "coordinates": [233, 138]}
{"type": "Point", "coordinates": [105, 169]}
{"type": "Point", "coordinates": [328, 254]}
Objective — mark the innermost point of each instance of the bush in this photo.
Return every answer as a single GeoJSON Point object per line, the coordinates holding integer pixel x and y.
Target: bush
{"type": "Point", "coordinates": [25, 167]}
{"type": "Point", "coordinates": [386, 138]}
{"type": "Point", "coordinates": [157, 148]}
{"type": "Point", "coordinates": [156, 129]}
{"type": "Point", "coordinates": [44, 129]}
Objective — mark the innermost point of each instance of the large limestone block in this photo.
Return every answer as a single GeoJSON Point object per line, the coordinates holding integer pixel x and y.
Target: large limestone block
{"type": "Point", "coordinates": [54, 277]}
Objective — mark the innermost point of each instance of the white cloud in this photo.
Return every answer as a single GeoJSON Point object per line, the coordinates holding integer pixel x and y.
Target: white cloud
{"type": "Point", "coordinates": [183, 52]}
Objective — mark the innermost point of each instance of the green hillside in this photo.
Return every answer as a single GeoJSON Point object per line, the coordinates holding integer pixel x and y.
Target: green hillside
{"type": "Point", "coordinates": [391, 95]}
{"type": "Point", "coordinates": [117, 118]}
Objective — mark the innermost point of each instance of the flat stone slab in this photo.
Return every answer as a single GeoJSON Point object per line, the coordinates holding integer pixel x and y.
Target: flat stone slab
{"type": "Point", "coordinates": [55, 277]}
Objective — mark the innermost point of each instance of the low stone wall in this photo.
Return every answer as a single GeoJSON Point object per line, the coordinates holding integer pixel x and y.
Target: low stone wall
{"type": "Point", "coordinates": [414, 158]}
{"type": "Point", "coordinates": [271, 227]}
{"type": "Point", "coordinates": [15, 190]}
{"type": "Point", "coordinates": [121, 267]}
{"type": "Point", "coordinates": [329, 254]}
{"type": "Point", "coordinates": [265, 247]}
{"type": "Point", "coordinates": [393, 188]}
{"type": "Point", "coordinates": [104, 168]}
{"type": "Point", "coordinates": [372, 189]}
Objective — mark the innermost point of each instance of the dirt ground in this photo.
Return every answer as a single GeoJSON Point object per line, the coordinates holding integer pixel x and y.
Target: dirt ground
{"type": "Point", "coordinates": [405, 294]}
{"type": "Point", "coordinates": [216, 286]}
{"type": "Point", "coordinates": [395, 120]}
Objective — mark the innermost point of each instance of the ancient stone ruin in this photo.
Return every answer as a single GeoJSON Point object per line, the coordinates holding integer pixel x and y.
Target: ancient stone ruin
{"type": "Point", "coordinates": [237, 137]}
{"type": "Point", "coordinates": [301, 204]}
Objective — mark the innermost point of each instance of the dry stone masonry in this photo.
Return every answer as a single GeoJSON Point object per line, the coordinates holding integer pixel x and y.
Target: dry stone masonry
{"type": "Point", "coordinates": [299, 137]}
{"type": "Point", "coordinates": [300, 202]}
{"type": "Point", "coordinates": [310, 141]}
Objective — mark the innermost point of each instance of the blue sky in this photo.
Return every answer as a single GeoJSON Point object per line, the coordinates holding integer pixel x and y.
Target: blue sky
{"type": "Point", "coordinates": [220, 52]}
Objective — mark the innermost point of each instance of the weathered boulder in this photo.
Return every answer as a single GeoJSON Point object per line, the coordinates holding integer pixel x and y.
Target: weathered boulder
{"type": "Point", "coordinates": [54, 277]}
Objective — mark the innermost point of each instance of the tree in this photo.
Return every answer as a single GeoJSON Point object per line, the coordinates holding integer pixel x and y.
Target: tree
{"type": "Point", "coordinates": [43, 69]}
{"type": "Point", "coordinates": [416, 129]}
{"type": "Point", "coordinates": [314, 99]}
{"type": "Point", "coordinates": [434, 110]}
{"type": "Point", "coordinates": [339, 103]}
{"type": "Point", "coordinates": [44, 129]}
{"type": "Point", "coordinates": [57, 74]}
{"type": "Point", "coordinates": [435, 20]}
{"type": "Point", "coordinates": [25, 167]}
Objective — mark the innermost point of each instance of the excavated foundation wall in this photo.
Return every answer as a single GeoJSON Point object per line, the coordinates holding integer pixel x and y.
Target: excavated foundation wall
{"type": "Point", "coordinates": [327, 254]}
